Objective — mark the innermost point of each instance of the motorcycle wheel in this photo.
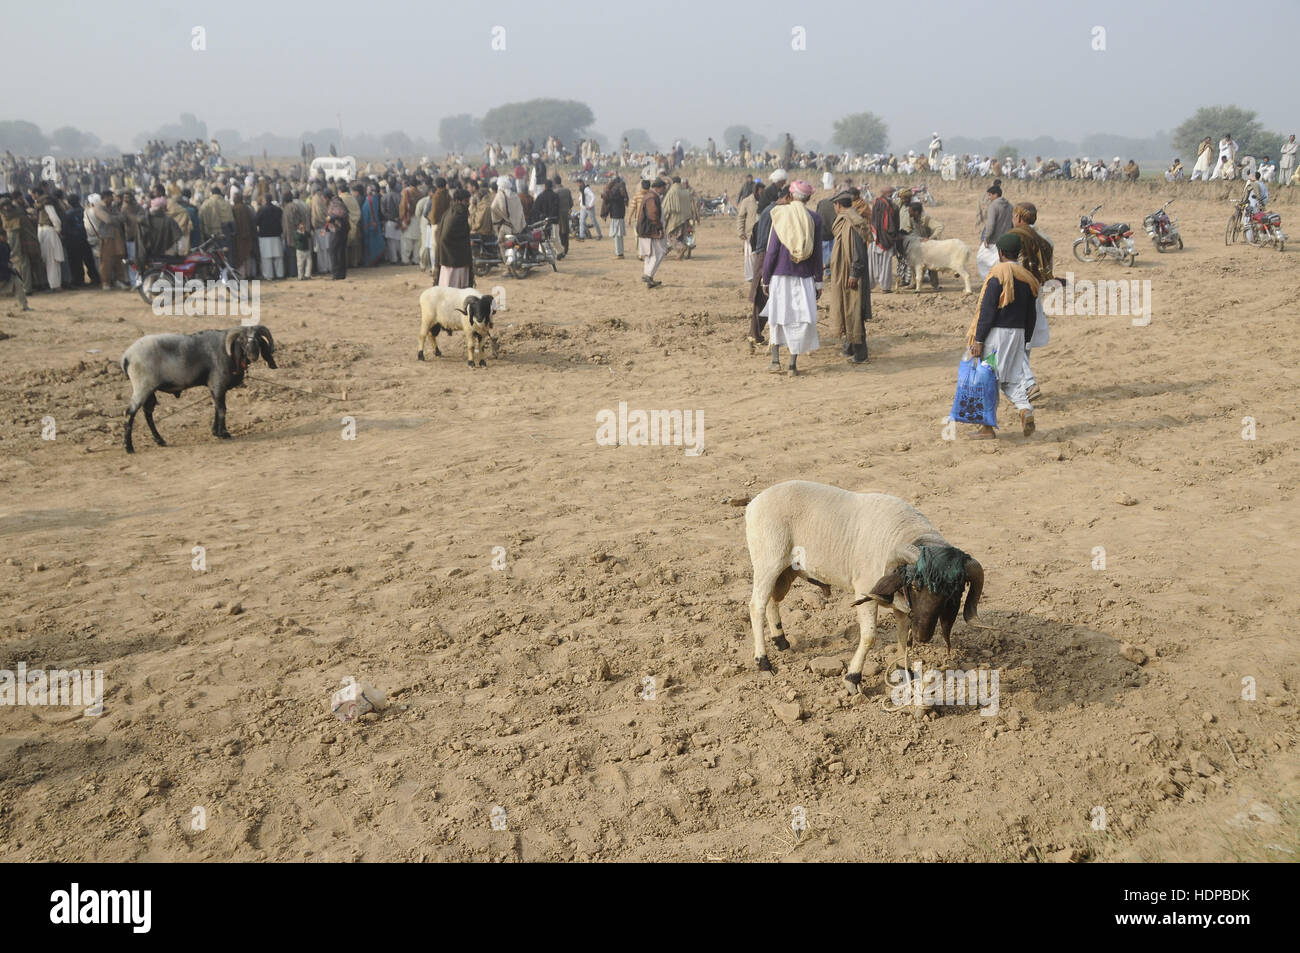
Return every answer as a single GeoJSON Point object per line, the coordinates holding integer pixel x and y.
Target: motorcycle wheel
{"type": "Point", "coordinates": [148, 280]}
{"type": "Point", "coordinates": [481, 268]}
{"type": "Point", "coordinates": [517, 271]}
{"type": "Point", "coordinates": [1160, 246]}
{"type": "Point", "coordinates": [1180, 242]}
{"type": "Point", "coordinates": [1085, 249]}
{"type": "Point", "coordinates": [1129, 260]}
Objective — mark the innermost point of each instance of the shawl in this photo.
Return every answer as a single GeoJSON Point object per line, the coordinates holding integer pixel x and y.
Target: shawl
{"type": "Point", "coordinates": [1035, 252]}
{"type": "Point", "coordinates": [794, 228]}
{"type": "Point", "coordinates": [1007, 273]}
{"type": "Point", "coordinates": [884, 222]}
{"type": "Point", "coordinates": [842, 251]}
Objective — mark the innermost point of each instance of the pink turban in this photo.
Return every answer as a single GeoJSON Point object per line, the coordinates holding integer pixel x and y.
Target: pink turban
{"type": "Point", "coordinates": [800, 187]}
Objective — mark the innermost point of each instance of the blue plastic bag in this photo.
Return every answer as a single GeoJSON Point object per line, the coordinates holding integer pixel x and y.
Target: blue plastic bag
{"type": "Point", "coordinates": [976, 401]}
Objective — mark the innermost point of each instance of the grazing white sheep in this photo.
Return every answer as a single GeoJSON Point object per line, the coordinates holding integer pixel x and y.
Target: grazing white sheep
{"type": "Point", "coordinates": [938, 254]}
{"type": "Point", "coordinates": [876, 546]}
{"type": "Point", "coordinates": [457, 309]}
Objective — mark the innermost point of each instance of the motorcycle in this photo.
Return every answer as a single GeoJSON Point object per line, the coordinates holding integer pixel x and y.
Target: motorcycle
{"type": "Point", "coordinates": [204, 264]}
{"type": "Point", "coordinates": [719, 206]}
{"type": "Point", "coordinates": [1100, 241]}
{"type": "Point", "coordinates": [1256, 228]}
{"type": "Point", "coordinates": [531, 248]}
{"type": "Point", "coordinates": [486, 252]}
{"type": "Point", "coordinates": [1162, 230]}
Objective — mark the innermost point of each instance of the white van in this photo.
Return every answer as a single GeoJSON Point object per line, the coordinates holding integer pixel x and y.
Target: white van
{"type": "Point", "coordinates": [333, 167]}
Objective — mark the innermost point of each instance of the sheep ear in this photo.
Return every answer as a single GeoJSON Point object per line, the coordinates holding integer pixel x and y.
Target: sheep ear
{"type": "Point", "coordinates": [884, 589]}
{"type": "Point", "coordinates": [230, 340]}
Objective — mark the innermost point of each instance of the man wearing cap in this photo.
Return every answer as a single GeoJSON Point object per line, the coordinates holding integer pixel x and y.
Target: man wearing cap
{"type": "Point", "coordinates": [936, 147]}
{"type": "Point", "coordinates": [1003, 325]}
{"type": "Point", "coordinates": [792, 277]}
{"type": "Point", "coordinates": [650, 232]}
{"type": "Point", "coordinates": [850, 277]}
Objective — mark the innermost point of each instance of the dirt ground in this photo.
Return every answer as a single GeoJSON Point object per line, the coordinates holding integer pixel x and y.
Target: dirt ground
{"type": "Point", "coordinates": [521, 687]}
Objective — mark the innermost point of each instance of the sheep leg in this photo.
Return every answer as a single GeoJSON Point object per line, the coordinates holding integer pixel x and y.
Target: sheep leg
{"type": "Point", "coordinates": [131, 408]}
{"type": "Point", "coordinates": [964, 275]}
{"type": "Point", "coordinates": [219, 415]}
{"type": "Point", "coordinates": [149, 405]}
{"type": "Point", "coordinates": [478, 350]}
{"type": "Point", "coordinates": [866, 638]}
{"type": "Point", "coordinates": [783, 583]}
{"type": "Point", "coordinates": [903, 625]}
{"type": "Point", "coordinates": [764, 586]}
{"type": "Point", "coordinates": [471, 340]}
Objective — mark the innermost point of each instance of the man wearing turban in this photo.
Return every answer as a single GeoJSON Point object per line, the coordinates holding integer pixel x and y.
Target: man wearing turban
{"type": "Point", "coordinates": [1003, 325]}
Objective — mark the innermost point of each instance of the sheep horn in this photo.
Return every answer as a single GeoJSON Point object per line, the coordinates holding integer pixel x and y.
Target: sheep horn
{"type": "Point", "coordinates": [975, 575]}
{"type": "Point", "coordinates": [263, 335]}
{"type": "Point", "coordinates": [230, 340]}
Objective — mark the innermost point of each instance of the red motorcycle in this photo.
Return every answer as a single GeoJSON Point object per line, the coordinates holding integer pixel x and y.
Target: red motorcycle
{"type": "Point", "coordinates": [204, 264]}
{"type": "Point", "coordinates": [528, 249]}
{"type": "Point", "coordinates": [1255, 227]}
{"type": "Point", "coordinates": [1102, 241]}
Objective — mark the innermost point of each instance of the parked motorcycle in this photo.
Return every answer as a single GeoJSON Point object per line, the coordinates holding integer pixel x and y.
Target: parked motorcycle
{"type": "Point", "coordinates": [1257, 228]}
{"type": "Point", "coordinates": [205, 263]}
{"type": "Point", "coordinates": [486, 252]}
{"type": "Point", "coordinates": [531, 248]}
{"type": "Point", "coordinates": [1162, 230]}
{"type": "Point", "coordinates": [719, 206]}
{"type": "Point", "coordinates": [1100, 241]}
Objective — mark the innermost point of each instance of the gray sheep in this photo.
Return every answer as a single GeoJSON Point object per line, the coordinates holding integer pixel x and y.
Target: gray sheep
{"type": "Point", "coordinates": [172, 363]}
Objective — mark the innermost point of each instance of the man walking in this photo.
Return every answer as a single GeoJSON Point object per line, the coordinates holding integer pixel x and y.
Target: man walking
{"type": "Point", "coordinates": [1004, 322]}
{"type": "Point", "coordinates": [792, 277]}
{"type": "Point", "coordinates": [615, 199]}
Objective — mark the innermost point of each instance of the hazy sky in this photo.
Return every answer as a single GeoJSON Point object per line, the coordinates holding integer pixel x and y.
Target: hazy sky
{"type": "Point", "coordinates": [1012, 68]}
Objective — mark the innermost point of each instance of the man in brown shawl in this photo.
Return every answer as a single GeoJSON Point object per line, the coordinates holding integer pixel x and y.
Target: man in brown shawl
{"type": "Point", "coordinates": [112, 242]}
{"type": "Point", "coordinates": [438, 206]}
{"type": "Point", "coordinates": [245, 239]}
{"type": "Point", "coordinates": [849, 290]}
{"type": "Point", "coordinates": [455, 260]}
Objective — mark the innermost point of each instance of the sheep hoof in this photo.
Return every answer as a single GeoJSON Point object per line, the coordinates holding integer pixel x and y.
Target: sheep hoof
{"type": "Point", "coordinates": [420, 356]}
{"type": "Point", "coordinates": [471, 363]}
{"type": "Point", "coordinates": [437, 353]}
{"type": "Point", "coordinates": [130, 449]}
{"type": "Point", "coordinates": [224, 435]}
{"type": "Point", "coordinates": [780, 642]}
{"type": "Point", "coordinates": [482, 363]}
{"type": "Point", "coordinates": [763, 664]}
{"type": "Point", "coordinates": [853, 682]}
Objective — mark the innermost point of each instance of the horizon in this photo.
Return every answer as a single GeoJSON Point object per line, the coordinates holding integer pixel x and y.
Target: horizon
{"type": "Point", "coordinates": [256, 74]}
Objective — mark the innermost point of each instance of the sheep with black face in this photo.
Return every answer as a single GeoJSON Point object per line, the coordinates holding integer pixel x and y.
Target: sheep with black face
{"type": "Point", "coordinates": [173, 363]}
{"type": "Point", "coordinates": [874, 545]}
{"type": "Point", "coordinates": [457, 309]}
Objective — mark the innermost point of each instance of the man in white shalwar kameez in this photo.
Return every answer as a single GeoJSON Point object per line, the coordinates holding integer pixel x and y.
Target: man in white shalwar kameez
{"type": "Point", "coordinates": [792, 276]}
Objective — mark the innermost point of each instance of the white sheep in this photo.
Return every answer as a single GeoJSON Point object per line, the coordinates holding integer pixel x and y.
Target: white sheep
{"type": "Point", "coordinates": [876, 546]}
{"type": "Point", "coordinates": [938, 254]}
{"type": "Point", "coordinates": [457, 309]}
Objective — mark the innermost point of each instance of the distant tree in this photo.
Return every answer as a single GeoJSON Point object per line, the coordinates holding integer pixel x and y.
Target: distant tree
{"type": "Point", "coordinates": [537, 119]}
{"type": "Point", "coordinates": [731, 138]}
{"type": "Point", "coordinates": [74, 142]}
{"type": "Point", "coordinates": [22, 138]}
{"type": "Point", "coordinates": [1004, 151]}
{"type": "Point", "coordinates": [861, 132]}
{"type": "Point", "coordinates": [460, 132]}
{"type": "Point", "coordinates": [1214, 121]}
{"type": "Point", "coordinates": [638, 140]}
{"type": "Point", "coordinates": [396, 143]}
